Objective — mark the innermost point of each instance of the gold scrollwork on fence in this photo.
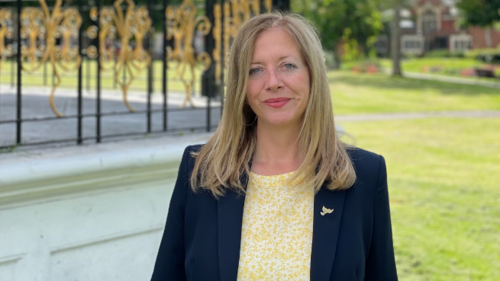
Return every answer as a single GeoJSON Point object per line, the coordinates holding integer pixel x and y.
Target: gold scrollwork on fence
{"type": "Point", "coordinates": [182, 23]}
{"type": "Point", "coordinates": [5, 33]}
{"type": "Point", "coordinates": [236, 12]}
{"type": "Point", "coordinates": [133, 25]}
{"type": "Point", "coordinates": [40, 28]}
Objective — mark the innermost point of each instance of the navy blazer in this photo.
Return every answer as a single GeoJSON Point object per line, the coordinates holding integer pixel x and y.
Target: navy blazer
{"type": "Point", "coordinates": [201, 241]}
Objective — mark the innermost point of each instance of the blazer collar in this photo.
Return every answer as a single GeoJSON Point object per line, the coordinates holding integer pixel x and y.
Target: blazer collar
{"type": "Point", "coordinates": [325, 232]}
{"type": "Point", "coordinates": [230, 219]}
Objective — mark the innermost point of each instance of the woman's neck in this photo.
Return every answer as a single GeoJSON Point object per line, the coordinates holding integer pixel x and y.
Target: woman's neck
{"type": "Point", "coordinates": [277, 150]}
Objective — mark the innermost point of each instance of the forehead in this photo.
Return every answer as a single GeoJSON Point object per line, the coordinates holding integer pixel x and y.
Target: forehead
{"type": "Point", "coordinates": [275, 42]}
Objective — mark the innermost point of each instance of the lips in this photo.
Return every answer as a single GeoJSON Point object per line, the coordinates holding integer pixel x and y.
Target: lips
{"type": "Point", "coordinates": [277, 102]}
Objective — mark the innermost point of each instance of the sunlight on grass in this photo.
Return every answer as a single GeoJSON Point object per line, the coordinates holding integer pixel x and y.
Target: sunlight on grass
{"type": "Point", "coordinates": [450, 66]}
{"type": "Point", "coordinates": [379, 93]}
{"type": "Point", "coordinates": [445, 201]}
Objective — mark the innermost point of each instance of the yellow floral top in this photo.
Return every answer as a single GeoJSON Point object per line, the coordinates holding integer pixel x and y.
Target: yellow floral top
{"type": "Point", "coordinates": [277, 229]}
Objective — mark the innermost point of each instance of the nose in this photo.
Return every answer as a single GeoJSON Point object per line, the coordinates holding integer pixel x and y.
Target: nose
{"type": "Point", "coordinates": [274, 82]}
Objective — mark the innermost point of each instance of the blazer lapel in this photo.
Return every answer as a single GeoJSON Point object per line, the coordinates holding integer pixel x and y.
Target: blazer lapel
{"type": "Point", "coordinates": [230, 219]}
{"type": "Point", "coordinates": [325, 232]}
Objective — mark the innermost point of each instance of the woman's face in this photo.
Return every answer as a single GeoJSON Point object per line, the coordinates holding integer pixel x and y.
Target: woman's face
{"type": "Point", "coordinates": [278, 80]}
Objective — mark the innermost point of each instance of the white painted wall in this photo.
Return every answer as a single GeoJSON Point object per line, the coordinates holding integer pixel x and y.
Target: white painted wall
{"type": "Point", "coordinates": [86, 213]}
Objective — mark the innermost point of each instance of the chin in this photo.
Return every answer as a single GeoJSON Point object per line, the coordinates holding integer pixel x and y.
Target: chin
{"type": "Point", "coordinates": [282, 121]}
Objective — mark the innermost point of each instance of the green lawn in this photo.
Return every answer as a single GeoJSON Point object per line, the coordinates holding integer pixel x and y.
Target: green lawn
{"type": "Point", "coordinates": [450, 66]}
{"type": "Point", "coordinates": [445, 200]}
{"type": "Point", "coordinates": [377, 93]}
{"type": "Point", "coordinates": [440, 66]}
{"type": "Point", "coordinates": [442, 172]}
{"type": "Point", "coordinates": [431, 65]}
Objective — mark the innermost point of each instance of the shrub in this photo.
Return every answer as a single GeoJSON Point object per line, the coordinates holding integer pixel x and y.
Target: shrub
{"type": "Point", "coordinates": [490, 55]}
{"type": "Point", "coordinates": [444, 54]}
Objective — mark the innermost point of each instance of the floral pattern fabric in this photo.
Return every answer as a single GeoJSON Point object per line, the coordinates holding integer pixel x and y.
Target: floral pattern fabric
{"type": "Point", "coordinates": [277, 228]}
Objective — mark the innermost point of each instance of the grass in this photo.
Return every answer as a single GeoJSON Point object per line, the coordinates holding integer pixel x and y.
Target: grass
{"type": "Point", "coordinates": [442, 172]}
{"type": "Point", "coordinates": [444, 194]}
{"type": "Point", "coordinates": [379, 93]}
{"type": "Point", "coordinates": [442, 66]}
{"type": "Point", "coordinates": [418, 64]}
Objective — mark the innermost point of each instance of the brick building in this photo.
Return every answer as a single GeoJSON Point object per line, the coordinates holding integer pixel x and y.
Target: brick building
{"type": "Point", "coordinates": [432, 25]}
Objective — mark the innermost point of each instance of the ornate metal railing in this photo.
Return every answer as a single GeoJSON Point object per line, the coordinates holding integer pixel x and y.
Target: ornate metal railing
{"type": "Point", "coordinates": [98, 47]}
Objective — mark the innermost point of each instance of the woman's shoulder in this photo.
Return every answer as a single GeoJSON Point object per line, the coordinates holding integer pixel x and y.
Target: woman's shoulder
{"type": "Point", "coordinates": [194, 148]}
{"type": "Point", "coordinates": [367, 164]}
{"type": "Point", "coordinates": [357, 154]}
{"type": "Point", "coordinates": [188, 156]}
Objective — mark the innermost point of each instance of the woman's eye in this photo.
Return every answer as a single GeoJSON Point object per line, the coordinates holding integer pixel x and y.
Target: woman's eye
{"type": "Point", "coordinates": [254, 71]}
{"type": "Point", "coordinates": [289, 66]}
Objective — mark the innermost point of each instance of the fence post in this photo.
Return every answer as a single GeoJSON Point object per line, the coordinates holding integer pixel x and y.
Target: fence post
{"type": "Point", "coordinates": [19, 77]}
{"type": "Point", "coordinates": [88, 70]}
{"type": "Point", "coordinates": [281, 5]}
{"type": "Point", "coordinates": [164, 67]}
{"type": "Point", "coordinates": [150, 68]}
{"type": "Point", "coordinates": [79, 103]}
{"type": "Point", "coordinates": [12, 72]}
{"type": "Point", "coordinates": [98, 75]}
{"type": "Point", "coordinates": [222, 58]}
{"type": "Point", "coordinates": [45, 73]}
{"type": "Point", "coordinates": [208, 86]}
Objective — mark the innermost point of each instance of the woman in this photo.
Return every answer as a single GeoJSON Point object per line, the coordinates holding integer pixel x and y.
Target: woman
{"type": "Point", "coordinates": [274, 194]}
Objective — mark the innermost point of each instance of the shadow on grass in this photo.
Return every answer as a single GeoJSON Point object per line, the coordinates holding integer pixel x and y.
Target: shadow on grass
{"type": "Point", "coordinates": [383, 81]}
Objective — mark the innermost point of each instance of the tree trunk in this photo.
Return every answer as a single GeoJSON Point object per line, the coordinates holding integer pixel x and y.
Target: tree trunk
{"type": "Point", "coordinates": [396, 40]}
{"type": "Point", "coordinates": [338, 56]}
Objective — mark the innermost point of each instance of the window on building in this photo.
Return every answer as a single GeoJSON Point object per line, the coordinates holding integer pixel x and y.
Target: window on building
{"type": "Point", "coordinates": [462, 45]}
{"type": "Point", "coordinates": [411, 44]}
{"type": "Point", "coordinates": [429, 22]}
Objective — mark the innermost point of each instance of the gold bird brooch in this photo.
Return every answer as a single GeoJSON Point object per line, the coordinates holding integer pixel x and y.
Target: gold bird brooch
{"type": "Point", "coordinates": [326, 211]}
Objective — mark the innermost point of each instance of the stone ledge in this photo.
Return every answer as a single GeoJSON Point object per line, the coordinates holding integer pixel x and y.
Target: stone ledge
{"type": "Point", "coordinates": [42, 174]}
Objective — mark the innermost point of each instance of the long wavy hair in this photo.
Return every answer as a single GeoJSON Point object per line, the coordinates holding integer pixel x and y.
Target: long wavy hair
{"type": "Point", "coordinates": [225, 159]}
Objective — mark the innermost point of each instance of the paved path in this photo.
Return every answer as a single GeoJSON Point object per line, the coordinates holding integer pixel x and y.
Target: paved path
{"type": "Point", "coordinates": [490, 83]}
{"type": "Point", "coordinates": [35, 104]}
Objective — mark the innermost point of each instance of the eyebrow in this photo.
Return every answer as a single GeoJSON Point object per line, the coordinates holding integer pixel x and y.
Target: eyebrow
{"type": "Point", "coordinates": [283, 57]}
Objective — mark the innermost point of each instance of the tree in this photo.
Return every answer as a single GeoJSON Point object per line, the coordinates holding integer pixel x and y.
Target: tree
{"type": "Point", "coordinates": [360, 20]}
{"type": "Point", "coordinates": [484, 13]}
{"type": "Point", "coordinates": [394, 22]}
{"type": "Point", "coordinates": [396, 40]}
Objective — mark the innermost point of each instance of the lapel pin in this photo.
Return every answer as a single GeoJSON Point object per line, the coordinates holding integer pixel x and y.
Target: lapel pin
{"type": "Point", "coordinates": [326, 211]}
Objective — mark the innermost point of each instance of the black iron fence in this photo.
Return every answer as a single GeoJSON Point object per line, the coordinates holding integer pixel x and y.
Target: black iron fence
{"type": "Point", "coordinates": [78, 71]}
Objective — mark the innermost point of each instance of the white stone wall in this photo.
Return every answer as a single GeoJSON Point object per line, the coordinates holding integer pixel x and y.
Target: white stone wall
{"type": "Point", "coordinates": [86, 213]}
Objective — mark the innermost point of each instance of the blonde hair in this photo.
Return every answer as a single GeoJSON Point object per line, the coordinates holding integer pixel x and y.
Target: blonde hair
{"type": "Point", "coordinates": [224, 160]}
